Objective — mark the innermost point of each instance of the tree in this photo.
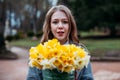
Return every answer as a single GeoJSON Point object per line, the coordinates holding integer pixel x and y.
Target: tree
{"type": "Point", "coordinates": [4, 53]}
{"type": "Point", "coordinates": [101, 13]}
{"type": "Point", "coordinates": [23, 10]}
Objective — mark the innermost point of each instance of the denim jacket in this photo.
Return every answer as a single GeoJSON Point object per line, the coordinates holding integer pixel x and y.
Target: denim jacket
{"type": "Point", "coordinates": [84, 74]}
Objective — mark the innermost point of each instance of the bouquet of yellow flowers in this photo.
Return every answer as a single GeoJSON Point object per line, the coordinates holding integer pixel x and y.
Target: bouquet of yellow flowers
{"type": "Point", "coordinates": [52, 56]}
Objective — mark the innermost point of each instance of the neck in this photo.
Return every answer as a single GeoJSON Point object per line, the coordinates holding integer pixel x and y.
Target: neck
{"type": "Point", "coordinates": [63, 41]}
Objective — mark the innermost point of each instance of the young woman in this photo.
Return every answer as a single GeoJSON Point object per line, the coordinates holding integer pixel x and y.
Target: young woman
{"type": "Point", "coordinates": [60, 24]}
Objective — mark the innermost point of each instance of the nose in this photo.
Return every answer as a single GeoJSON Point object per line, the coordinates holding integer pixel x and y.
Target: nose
{"type": "Point", "coordinates": [60, 25]}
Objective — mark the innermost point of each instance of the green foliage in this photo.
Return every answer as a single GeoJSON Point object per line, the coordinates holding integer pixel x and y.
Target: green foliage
{"type": "Point", "coordinates": [30, 34]}
{"type": "Point", "coordinates": [19, 35]}
{"type": "Point", "coordinates": [15, 37]}
{"type": "Point", "coordinates": [39, 34]}
{"type": "Point", "coordinates": [91, 13]}
{"type": "Point", "coordinates": [9, 38]}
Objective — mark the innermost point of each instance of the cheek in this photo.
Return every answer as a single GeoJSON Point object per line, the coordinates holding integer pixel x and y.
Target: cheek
{"type": "Point", "coordinates": [53, 28]}
{"type": "Point", "coordinates": [67, 28]}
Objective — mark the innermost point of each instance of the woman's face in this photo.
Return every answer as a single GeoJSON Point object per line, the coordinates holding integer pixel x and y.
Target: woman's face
{"type": "Point", "coordinates": [60, 26]}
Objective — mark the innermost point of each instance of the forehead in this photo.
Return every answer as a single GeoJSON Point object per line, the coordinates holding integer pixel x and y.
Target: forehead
{"type": "Point", "coordinates": [58, 14]}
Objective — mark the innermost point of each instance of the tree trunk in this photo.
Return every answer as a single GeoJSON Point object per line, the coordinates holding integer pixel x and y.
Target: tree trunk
{"type": "Point", "coordinates": [2, 43]}
{"type": "Point", "coordinates": [4, 53]}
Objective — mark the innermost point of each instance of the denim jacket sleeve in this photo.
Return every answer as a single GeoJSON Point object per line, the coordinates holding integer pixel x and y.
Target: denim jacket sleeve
{"type": "Point", "coordinates": [85, 73]}
{"type": "Point", "coordinates": [34, 74]}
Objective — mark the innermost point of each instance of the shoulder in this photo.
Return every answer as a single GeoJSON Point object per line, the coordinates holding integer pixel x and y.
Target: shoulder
{"type": "Point", "coordinates": [81, 45]}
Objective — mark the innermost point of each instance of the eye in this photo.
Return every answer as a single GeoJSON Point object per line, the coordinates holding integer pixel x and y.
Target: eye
{"type": "Point", "coordinates": [54, 22]}
{"type": "Point", "coordinates": [65, 22]}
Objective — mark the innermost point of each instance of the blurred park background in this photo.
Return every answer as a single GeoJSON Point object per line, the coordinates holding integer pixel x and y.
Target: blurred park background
{"type": "Point", "coordinates": [98, 23]}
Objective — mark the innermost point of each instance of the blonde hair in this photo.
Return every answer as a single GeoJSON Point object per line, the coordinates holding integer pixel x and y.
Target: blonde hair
{"type": "Point", "coordinates": [47, 34]}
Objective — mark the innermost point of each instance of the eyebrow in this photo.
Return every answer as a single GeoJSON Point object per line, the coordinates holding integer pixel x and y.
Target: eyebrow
{"type": "Point", "coordinates": [58, 19]}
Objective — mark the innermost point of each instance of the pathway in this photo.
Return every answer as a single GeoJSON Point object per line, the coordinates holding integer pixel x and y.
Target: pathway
{"type": "Point", "coordinates": [17, 69]}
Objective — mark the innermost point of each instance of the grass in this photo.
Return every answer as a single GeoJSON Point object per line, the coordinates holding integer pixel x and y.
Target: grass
{"type": "Point", "coordinates": [102, 44]}
{"type": "Point", "coordinates": [100, 47]}
{"type": "Point", "coordinates": [90, 33]}
{"type": "Point", "coordinates": [26, 43]}
{"type": "Point", "coordinates": [96, 47]}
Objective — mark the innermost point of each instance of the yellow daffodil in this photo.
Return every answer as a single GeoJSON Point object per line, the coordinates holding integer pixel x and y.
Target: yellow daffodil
{"type": "Point", "coordinates": [33, 53]}
{"type": "Point", "coordinates": [57, 62]}
{"type": "Point", "coordinates": [67, 68]}
{"type": "Point", "coordinates": [34, 63]}
{"type": "Point", "coordinates": [51, 55]}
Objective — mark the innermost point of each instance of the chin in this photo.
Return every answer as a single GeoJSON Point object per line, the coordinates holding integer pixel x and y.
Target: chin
{"type": "Point", "coordinates": [60, 38]}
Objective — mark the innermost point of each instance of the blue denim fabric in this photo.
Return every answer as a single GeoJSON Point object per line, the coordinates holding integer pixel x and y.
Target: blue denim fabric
{"type": "Point", "coordinates": [84, 74]}
{"type": "Point", "coordinates": [34, 74]}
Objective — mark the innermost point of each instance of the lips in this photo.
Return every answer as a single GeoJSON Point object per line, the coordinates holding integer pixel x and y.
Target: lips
{"type": "Point", "coordinates": [60, 33]}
